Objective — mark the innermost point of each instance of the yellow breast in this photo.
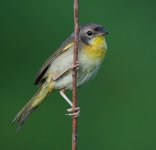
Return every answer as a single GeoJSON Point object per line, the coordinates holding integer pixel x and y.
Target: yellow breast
{"type": "Point", "coordinates": [96, 50]}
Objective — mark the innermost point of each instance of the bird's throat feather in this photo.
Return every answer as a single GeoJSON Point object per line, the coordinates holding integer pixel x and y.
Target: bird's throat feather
{"type": "Point", "coordinates": [96, 50]}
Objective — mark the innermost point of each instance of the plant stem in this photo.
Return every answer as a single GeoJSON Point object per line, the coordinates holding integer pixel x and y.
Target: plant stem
{"type": "Point", "coordinates": [74, 74]}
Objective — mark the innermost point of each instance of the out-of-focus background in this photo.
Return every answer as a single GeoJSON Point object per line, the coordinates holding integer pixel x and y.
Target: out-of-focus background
{"type": "Point", "coordinates": [118, 108]}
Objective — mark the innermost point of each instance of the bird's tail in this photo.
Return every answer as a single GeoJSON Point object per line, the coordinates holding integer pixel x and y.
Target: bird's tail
{"type": "Point", "coordinates": [36, 100]}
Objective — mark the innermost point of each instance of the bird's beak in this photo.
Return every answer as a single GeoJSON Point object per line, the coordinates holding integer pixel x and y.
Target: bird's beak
{"type": "Point", "coordinates": [106, 32]}
{"type": "Point", "coordinates": [103, 32]}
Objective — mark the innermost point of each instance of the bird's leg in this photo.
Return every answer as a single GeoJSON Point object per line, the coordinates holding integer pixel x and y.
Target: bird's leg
{"type": "Point", "coordinates": [62, 92]}
{"type": "Point", "coordinates": [76, 66]}
{"type": "Point", "coordinates": [71, 112]}
{"type": "Point", "coordinates": [58, 76]}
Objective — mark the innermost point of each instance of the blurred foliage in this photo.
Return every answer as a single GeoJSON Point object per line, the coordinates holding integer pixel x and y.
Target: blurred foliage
{"type": "Point", "coordinates": [117, 108]}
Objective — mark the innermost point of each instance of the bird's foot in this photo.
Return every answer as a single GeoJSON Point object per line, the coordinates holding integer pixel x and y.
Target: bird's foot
{"type": "Point", "coordinates": [75, 66]}
{"type": "Point", "coordinates": [74, 113]}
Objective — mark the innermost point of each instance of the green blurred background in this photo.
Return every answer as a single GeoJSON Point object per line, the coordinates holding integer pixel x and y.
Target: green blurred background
{"type": "Point", "coordinates": [118, 108]}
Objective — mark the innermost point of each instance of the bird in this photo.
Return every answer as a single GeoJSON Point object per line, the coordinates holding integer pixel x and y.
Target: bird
{"type": "Point", "coordinates": [56, 73]}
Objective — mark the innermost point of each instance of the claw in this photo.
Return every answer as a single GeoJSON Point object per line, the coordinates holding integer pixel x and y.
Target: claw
{"type": "Point", "coordinates": [74, 113]}
{"type": "Point", "coordinates": [71, 109]}
{"type": "Point", "coordinates": [75, 66]}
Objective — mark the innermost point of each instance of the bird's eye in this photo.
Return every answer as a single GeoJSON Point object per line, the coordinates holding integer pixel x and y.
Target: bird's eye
{"type": "Point", "coordinates": [89, 33]}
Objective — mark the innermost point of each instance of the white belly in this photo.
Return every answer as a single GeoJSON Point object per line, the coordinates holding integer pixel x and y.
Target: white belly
{"type": "Point", "coordinates": [87, 70]}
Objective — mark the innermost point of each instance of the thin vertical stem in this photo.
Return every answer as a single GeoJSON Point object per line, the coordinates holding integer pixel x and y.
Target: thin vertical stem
{"type": "Point", "coordinates": [74, 74]}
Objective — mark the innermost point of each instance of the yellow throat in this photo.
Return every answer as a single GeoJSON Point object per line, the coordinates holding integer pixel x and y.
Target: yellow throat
{"type": "Point", "coordinates": [96, 50]}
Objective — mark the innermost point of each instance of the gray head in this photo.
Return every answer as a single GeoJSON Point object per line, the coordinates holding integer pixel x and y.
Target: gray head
{"type": "Point", "coordinates": [89, 31]}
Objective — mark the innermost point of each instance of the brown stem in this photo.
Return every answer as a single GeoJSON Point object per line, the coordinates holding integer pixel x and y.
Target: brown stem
{"type": "Point", "coordinates": [74, 74]}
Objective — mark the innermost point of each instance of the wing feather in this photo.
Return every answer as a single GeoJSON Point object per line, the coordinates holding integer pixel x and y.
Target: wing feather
{"type": "Point", "coordinates": [65, 46]}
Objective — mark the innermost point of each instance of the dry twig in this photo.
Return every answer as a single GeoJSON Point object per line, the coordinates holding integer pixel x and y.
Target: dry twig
{"type": "Point", "coordinates": [74, 74]}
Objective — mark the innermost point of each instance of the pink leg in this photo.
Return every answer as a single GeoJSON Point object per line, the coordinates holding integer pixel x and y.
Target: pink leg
{"type": "Point", "coordinates": [71, 112]}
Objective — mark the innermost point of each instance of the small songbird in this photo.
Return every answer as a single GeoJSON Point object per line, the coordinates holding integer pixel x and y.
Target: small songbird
{"type": "Point", "coordinates": [56, 72]}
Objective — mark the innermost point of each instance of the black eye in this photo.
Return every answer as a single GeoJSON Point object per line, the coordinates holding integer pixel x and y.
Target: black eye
{"type": "Point", "coordinates": [89, 33]}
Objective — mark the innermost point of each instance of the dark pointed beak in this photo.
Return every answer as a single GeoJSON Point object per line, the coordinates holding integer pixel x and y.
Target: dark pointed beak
{"type": "Point", "coordinates": [106, 32]}
{"type": "Point", "coordinates": [103, 32]}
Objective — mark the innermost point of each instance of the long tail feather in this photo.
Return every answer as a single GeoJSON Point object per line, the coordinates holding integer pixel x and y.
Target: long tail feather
{"type": "Point", "coordinates": [36, 100]}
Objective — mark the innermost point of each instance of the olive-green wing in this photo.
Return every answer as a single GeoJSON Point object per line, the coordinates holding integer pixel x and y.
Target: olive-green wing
{"type": "Point", "coordinates": [65, 46]}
